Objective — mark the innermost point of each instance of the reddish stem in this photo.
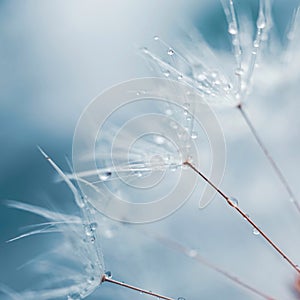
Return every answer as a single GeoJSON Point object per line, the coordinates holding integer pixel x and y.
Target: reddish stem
{"type": "Point", "coordinates": [245, 216]}
{"type": "Point", "coordinates": [128, 286]}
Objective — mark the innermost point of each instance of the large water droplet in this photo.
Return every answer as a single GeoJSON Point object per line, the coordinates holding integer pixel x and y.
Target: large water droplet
{"type": "Point", "coordinates": [108, 274]}
{"type": "Point", "coordinates": [261, 21]}
{"type": "Point", "coordinates": [156, 37]}
{"type": "Point", "coordinates": [234, 201]}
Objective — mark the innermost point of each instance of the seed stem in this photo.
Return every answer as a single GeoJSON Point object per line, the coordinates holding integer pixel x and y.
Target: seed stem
{"type": "Point", "coordinates": [271, 160]}
{"type": "Point", "coordinates": [245, 216]}
{"type": "Point", "coordinates": [128, 286]}
{"type": "Point", "coordinates": [176, 246]}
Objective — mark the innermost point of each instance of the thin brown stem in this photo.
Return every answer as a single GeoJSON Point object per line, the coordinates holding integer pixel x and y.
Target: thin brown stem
{"type": "Point", "coordinates": [244, 215]}
{"type": "Point", "coordinates": [271, 160]}
{"type": "Point", "coordinates": [128, 286]}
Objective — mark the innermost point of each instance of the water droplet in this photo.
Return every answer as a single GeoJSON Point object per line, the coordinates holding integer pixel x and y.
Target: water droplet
{"type": "Point", "coordinates": [108, 274]}
{"type": "Point", "coordinates": [192, 253]}
{"type": "Point", "coordinates": [138, 174]}
{"type": "Point", "coordinates": [88, 230]}
{"type": "Point", "coordinates": [232, 28]}
{"type": "Point", "coordinates": [158, 139]}
{"type": "Point", "coordinates": [156, 37]}
{"type": "Point", "coordinates": [180, 76]}
{"type": "Point", "coordinates": [234, 201]}
{"type": "Point", "coordinates": [93, 226]}
{"type": "Point", "coordinates": [194, 135]}
{"type": "Point", "coordinates": [145, 50]}
{"type": "Point", "coordinates": [180, 298]}
{"type": "Point", "coordinates": [256, 44]}
{"type": "Point", "coordinates": [255, 231]}
{"type": "Point", "coordinates": [92, 239]}
{"type": "Point", "coordinates": [171, 52]}
{"type": "Point", "coordinates": [105, 176]}
{"type": "Point", "coordinates": [169, 112]}
{"type": "Point", "coordinates": [239, 71]}
{"type": "Point", "coordinates": [261, 21]}
{"type": "Point", "coordinates": [201, 77]}
{"type": "Point", "coordinates": [166, 73]}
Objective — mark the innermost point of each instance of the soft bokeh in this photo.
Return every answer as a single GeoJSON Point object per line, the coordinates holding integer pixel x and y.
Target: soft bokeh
{"type": "Point", "coordinates": [58, 55]}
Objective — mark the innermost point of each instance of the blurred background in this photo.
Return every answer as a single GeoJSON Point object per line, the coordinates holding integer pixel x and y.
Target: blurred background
{"type": "Point", "coordinates": [56, 56]}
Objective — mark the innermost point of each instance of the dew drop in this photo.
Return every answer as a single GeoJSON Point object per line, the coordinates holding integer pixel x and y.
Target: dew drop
{"type": "Point", "coordinates": [194, 135]}
{"type": "Point", "coordinates": [180, 298]}
{"type": "Point", "coordinates": [171, 52]}
{"type": "Point", "coordinates": [166, 73]}
{"type": "Point", "coordinates": [232, 29]}
{"type": "Point", "coordinates": [108, 274]}
{"type": "Point", "coordinates": [256, 44]}
{"type": "Point", "coordinates": [239, 71]}
{"type": "Point", "coordinates": [255, 231]}
{"type": "Point", "coordinates": [158, 139]}
{"type": "Point", "coordinates": [168, 112]}
{"type": "Point", "coordinates": [145, 50]}
{"type": "Point", "coordinates": [261, 21]}
{"type": "Point", "coordinates": [93, 226]}
{"type": "Point", "coordinates": [156, 37]}
{"type": "Point", "coordinates": [201, 77]}
{"type": "Point", "coordinates": [188, 118]}
{"type": "Point", "coordinates": [180, 76]}
{"type": "Point", "coordinates": [138, 174]}
{"type": "Point", "coordinates": [192, 253]}
{"type": "Point", "coordinates": [234, 201]}
{"type": "Point", "coordinates": [92, 239]}
{"type": "Point", "coordinates": [105, 176]}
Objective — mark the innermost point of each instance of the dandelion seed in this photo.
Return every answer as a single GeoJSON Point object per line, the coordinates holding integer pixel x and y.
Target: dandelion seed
{"type": "Point", "coordinates": [81, 248]}
{"type": "Point", "coordinates": [199, 75]}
